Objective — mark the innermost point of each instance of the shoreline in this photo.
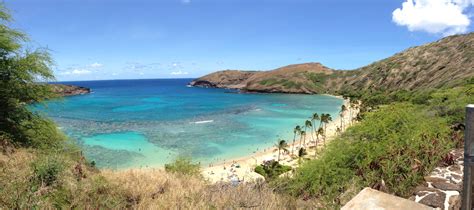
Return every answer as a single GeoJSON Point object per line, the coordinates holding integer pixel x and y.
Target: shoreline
{"type": "Point", "coordinates": [228, 170]}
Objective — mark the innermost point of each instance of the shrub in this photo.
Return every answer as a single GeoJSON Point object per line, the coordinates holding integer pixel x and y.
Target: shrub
{"type": "Point", "coordinates": [47, 169]}
{"type": "Point", "coordinates": [392, 150]}
{"type": "Point", "coordinates": [271, 169]}
{"type": "Point", "coordinates": [184, 165]}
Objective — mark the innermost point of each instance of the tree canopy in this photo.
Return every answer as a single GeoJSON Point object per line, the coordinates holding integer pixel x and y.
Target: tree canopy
{"type": "Point", "coordinates": [24, 73]}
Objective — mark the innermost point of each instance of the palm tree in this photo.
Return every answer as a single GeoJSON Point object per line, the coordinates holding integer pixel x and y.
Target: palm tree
{"type": "Point", "coordinates": [353, 105]}
{"type": "Point", "coordinates": [327, 119]}
{"type": "Point", "coordinates": [281, 145]}
{"type": "Point", "coordinates": [313, 121]}
{"type": "Point", "coordinates": [301, 153]}
{"type": "Point", "coordinates": [321, 132]}
{"type": "Point", "coordinates": [343, 109]}
{"type": "Point", "coordinates": [302, 135]}
{"type": "Point", "coordinates": [296, 131]}
{"type": "Point", "coordinates": [308, 124]}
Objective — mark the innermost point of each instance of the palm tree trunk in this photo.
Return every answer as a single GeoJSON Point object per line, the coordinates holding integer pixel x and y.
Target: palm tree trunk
{"type": "Point", "coordinates": [278, 154]}
{"type": "Point", "coordinates": [301, 136]}
{"type": "Point", "coordinates": [293, 146]}
{"type": "Point", "coordinates": [304, 140]}
{"type": "Point", "coordinates": [341, 121]}
{"type": "Point", "coordinates": [350, 118]}
{"type": "Point", "coordinates": [324, 134]}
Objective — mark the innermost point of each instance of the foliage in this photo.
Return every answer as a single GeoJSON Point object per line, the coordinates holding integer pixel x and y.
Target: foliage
{"type": "Point", "coordinates": [183, 165]}
{"type": "Point", "coordinates": [271, 169]}
{"type": "Point", "coordinates": [47, 169]}
{"type": "Point", "coordinates": [394, 146]}
{"type": "Point", "coordinates": [23, 73]}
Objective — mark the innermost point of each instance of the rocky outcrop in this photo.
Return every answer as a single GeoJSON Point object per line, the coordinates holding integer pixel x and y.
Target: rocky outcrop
{"type": "Point", "coordinates": [69, 90]}
{"type": "Point", "coordinates": [443, 187]}
{"type": "Point", "coordinates": [444, 63]}
{"type": "Point", "coordinates": [232, 79]}
{"type": "Point", "coordinates": [298, 78]}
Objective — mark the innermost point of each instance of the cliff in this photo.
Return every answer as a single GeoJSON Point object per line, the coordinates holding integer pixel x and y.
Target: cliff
{"type": "Point", "coordinates": [444, 63]}
{"type": "Point", "coordinates": [69, 90]}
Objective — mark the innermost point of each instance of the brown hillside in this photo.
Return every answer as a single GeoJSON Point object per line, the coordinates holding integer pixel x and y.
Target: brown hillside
{"type": "Point", "coordinates": [443, 63]}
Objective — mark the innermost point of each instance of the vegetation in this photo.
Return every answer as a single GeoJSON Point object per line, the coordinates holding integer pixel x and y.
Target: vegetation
{"type": "Point", "coordinates": [22, 72]}
{"type": "Point", "coordinates": [401, 136]}
{"type": "Point", "coordinates": [271, 169]}
{"type": "Point", "coordinates": [184, 166]}
{"type": "Point", "coordinates": [282, 146]}
{"type": "Point", "coordinates": [40, 168]}
{"type": "Point", "coordinates": [399, 140]}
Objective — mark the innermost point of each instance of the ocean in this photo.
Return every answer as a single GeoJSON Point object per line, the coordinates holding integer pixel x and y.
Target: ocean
{"type": "Point", "coordinates": [148, 123]}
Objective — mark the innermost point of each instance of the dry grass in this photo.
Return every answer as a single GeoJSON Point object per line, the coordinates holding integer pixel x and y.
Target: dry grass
{"type": "Point", "coordinates": [78, 186]}
{"type": "Point", "coordinates": [159, 189]}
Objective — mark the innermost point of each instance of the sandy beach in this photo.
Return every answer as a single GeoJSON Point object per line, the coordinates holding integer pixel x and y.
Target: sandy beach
{"type": "Point", "coordinates": [241, 169]}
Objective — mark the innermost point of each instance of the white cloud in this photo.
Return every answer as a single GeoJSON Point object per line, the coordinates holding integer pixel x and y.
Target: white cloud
{"type": "Point", "coordinates": [96, 65]}
{"type": "Point", "coordinates": [186, 1]}
{"type": "Point", "coordinates": [76, 72]}
{"type": "Point", "coordinates": [445, 17]}
{"type": "Point", "coordinates": [179, 72]}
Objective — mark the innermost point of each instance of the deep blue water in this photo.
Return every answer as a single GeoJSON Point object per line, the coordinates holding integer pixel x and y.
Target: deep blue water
{"type": "Point", "coordinates": [140, 123]}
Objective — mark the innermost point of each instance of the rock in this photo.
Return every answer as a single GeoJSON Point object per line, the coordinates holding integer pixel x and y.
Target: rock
{"type": "Point", "coordinates": [456, 169]}
{"type": "Point", "coordinates": [446, 186]}
{"type": "Point", "coordinates": [421, 193]}
{"type": "Point", "coordinates": [425, 189]}
{"type": "Point", "coordinates": [454, 202]}
{"type": "Point", "coordinates": [456, 176]}
{"type": "Point", "coordinates": [434, 200]}
{"type": "Point", "coordinates": [372, 199]}
{"type": "Point", "coordinates": [69, 90]}
{"type": "Point", "coordinates": [435, 179]}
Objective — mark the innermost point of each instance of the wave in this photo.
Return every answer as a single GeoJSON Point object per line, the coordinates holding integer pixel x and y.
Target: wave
{"type": "Point", "coordinates": [203, 121]}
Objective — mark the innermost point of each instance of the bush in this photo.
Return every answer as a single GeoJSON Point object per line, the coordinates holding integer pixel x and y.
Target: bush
{"type": "Point", "coordinates": [184, 165]}
{"type": "Point", "coordinates": [392, 150]}
{"type": "Point", "coordinates": [47, 169]}
{"type": "Point", "coordinates": [271, 169]}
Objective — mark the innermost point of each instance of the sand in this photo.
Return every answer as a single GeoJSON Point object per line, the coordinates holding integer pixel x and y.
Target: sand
{"type": "Point", "coordinates": [241, 169]}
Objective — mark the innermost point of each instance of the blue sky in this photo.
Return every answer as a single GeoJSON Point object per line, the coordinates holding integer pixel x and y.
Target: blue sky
{"type": "Point", "coordinates": [117, 39]}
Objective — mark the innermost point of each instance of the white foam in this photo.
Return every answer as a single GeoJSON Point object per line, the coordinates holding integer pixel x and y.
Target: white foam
{"type": "Point", "coordinates": [204, 121]}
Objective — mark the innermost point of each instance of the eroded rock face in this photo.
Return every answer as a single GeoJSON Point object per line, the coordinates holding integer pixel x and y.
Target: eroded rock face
{"type": "Point", "coordinates": [202, 83]}
{"type": "Point", "coordinates": [69, 90]}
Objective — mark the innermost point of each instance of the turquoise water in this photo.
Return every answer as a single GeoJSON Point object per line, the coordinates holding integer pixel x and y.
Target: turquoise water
{"type": "Point", "coordinates": [147, 123]}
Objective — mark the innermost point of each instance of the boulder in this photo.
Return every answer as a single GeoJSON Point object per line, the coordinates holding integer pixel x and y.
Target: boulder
{"type": "Point", "coordinates": [434, 200]}
{"type": "Point", "coordinates": [454, 202]}
{"type": "Point", "coordinates": [446, 186]}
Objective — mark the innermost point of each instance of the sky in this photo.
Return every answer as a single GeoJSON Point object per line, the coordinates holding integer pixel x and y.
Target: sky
{"type": "Point", "coordinates": [134, 39]}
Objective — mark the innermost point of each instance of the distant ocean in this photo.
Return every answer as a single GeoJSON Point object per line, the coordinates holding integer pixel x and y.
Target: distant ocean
{"type": "Point", "coordinates": [147, 123]}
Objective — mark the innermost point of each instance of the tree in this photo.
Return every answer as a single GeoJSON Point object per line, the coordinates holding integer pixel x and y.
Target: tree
{"type": "Point", "coordinates": [341, 114]}
{"type": "Point", "coordinates": [353, 105]}
{"type": "Point", "coordinates": [23, 74]}
{"type": "Point", "coordinates": [321, 133]}
{"type": "Point", "coordinates": [296, 131]}
{"type": "Point", "coordinates": [325, 119]}
{"type": "Point", "coordinates": [308, 124]}
{"type": "Point", "coordinates": [315, 118]}
{"type": "Point", "coordinates": [301, 154]}
{"type": "Point", "coordinates": [281, 145]}
{"type": "Point", "coordinates": [303, 135]}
